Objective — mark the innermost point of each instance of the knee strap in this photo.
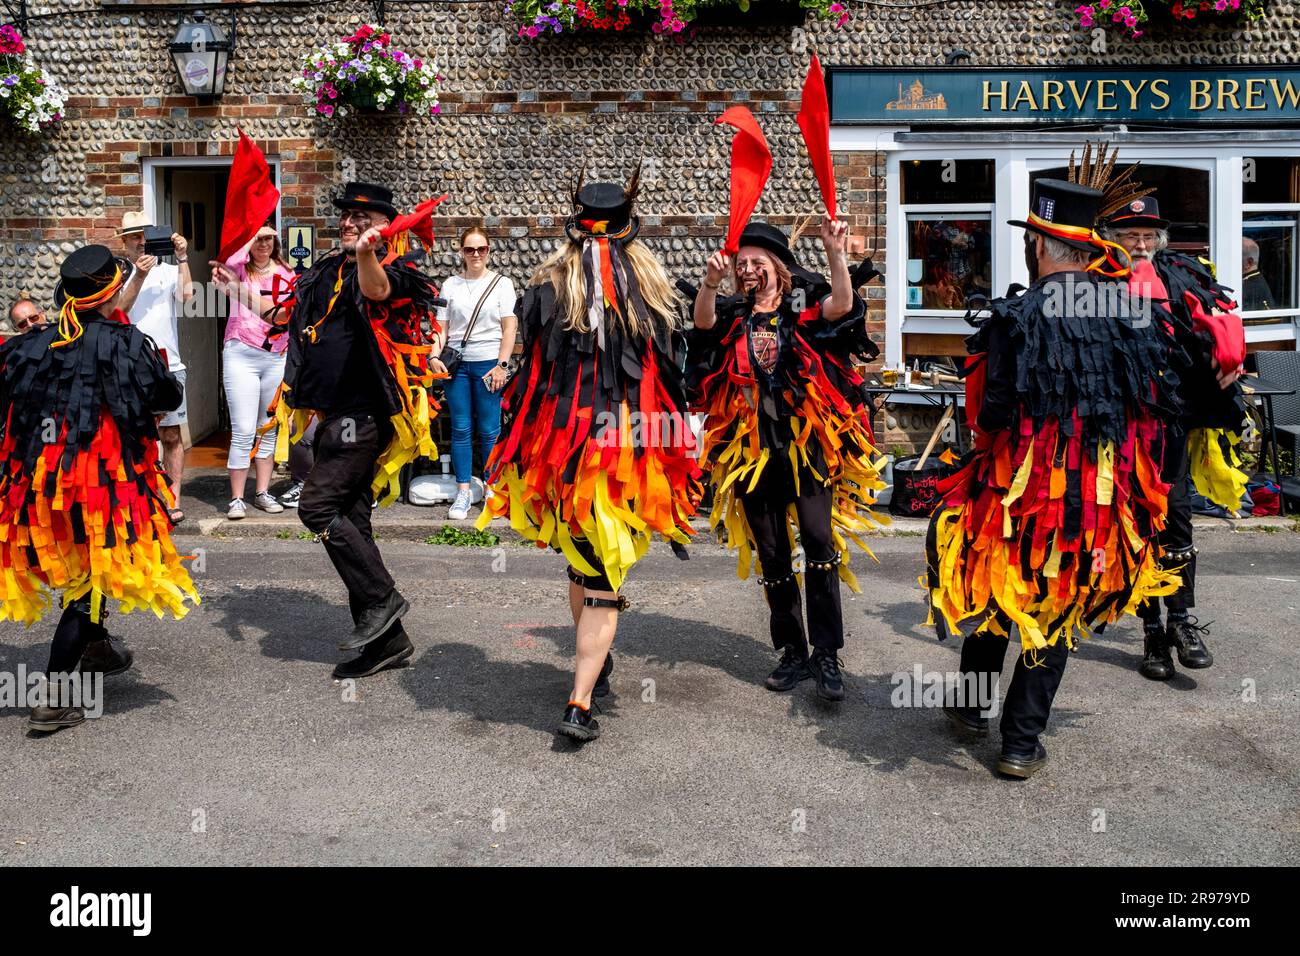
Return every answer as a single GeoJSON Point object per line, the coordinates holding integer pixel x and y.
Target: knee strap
{"type": "Point", "coordinates": [335, 523]}
{"type": "Point", "coordinates": [619, 603]}
{"type": "Point", "coordinates": [776, 582]}
{"type": "Point", "coordinates": [830, 565]}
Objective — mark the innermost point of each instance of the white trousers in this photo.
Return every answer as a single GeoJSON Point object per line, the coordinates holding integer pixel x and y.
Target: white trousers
{"type": "Point", "coordinates": [252, 377]}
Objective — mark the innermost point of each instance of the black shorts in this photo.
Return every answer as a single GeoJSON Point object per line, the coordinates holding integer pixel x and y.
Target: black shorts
{"type": "Point", "coordinates": [591, 583]}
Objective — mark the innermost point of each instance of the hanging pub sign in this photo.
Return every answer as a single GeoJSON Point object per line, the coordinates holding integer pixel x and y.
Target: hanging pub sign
{"type": "Point", "coordinates": [302, 245]}
{"type": "Point", "coordinates": [902, 96]}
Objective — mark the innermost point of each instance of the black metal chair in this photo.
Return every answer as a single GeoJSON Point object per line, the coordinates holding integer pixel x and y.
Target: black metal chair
{"type": "Point", "coordinates": [1283, 368]}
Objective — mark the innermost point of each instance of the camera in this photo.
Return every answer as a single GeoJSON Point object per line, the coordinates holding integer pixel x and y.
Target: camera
{"type": "Point", "coordinates": [158, 241]}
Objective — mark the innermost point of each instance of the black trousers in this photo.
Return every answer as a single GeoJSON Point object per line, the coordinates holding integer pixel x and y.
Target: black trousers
{"type": "Point", "coordinates": [765, 508]}
{"type": "Point", "coordinates": [1176, 538]}
{"type": "Point", "coordinates": [74, 632]}
{"type": "Point", "coordinates": [1028, 700]}
{"type": "Point", "coordinates": [336, 503]}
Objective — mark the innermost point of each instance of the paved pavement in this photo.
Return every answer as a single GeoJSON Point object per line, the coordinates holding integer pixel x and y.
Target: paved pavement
{"type": "Point", "coordinates": [230, 743]}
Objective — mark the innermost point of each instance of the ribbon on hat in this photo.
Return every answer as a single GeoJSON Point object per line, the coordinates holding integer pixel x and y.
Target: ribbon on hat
{"type": "Point", "coordinates": [70, 327]}
{"type": "Point", "coordinates": [1120, 265]}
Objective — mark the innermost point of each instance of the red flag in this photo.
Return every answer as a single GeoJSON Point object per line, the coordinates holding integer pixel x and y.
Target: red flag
{"type": "Point", "coordinates": [815, 124]}
{"type": "Point", "coordinates": [251, 198]}
{"type": "Point", "coordinates": [418, 222]}
{"type": "Point", "coordinates": [751, 164]}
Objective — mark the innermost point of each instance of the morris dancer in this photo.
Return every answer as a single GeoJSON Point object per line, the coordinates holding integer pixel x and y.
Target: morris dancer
{"type": "Point", "coordinates": [1049, 525]}
{"type": "Point", "coordinates": [583, 466]}
{"type": "Point", "coordinates": [358, 359]}
{"type": "Point", "coordinates": [1210, 346]}
{"type": "Point", "coordinates": [83, 500]}
{"type": "Point", "coordinates": [787, 441]}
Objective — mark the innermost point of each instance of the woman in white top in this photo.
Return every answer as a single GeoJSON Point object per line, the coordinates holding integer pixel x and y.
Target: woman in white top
{"type": "Point", "coordinates": [485, 342]}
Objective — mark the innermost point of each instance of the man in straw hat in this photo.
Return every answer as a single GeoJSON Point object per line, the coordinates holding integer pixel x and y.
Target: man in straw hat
{"type": "Point", "coordinates": [83, 501]}
{"type": "Point", "coordinates": [158, 291]}
{"type": "Point", "coordinates": [1047, 528]}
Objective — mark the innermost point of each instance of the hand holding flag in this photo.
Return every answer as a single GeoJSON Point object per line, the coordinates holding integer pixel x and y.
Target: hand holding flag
{"type": "Point", "coordinates": [751, 164]}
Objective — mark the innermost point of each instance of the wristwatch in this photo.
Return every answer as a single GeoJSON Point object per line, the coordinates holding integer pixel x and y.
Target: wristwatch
{"type": "Point", "coordinates": [181, 262]}
{"type": "Point", "coordinates": [505, 365]}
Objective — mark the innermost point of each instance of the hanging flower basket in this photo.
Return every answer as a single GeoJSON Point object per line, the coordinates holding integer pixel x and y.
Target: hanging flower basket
{"type": "Point", "coordinates": [1134, 17]}
{"type": "Point", "coordinates": [29, 99]}
{"type": "Point", "coordinates": [366, 74]}
{"type": "Point", "coordinates": [667, 18]}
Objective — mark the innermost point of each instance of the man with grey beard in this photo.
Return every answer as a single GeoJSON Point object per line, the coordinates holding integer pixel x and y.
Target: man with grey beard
{"type": "Point", "coordinates": [1210, 346]}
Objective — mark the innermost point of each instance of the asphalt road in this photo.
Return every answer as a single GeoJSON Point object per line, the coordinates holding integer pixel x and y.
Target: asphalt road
{"type": "Point", "coordinates": [231, 744]}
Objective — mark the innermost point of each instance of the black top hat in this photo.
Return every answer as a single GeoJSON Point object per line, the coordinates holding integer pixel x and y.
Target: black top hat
{"type": "Point", "coordinates": [86, 271]}
{"type": "Point", "coordinates": [1056, 203]}
{"type": "Point", "coordinates": [602, 209]}
{"type": "Point", "coordinates": [769, 237]}
{"type": "Point", "coordinates": [1140, 212]}
{"type": "Point", "coordinates": [367, 196]}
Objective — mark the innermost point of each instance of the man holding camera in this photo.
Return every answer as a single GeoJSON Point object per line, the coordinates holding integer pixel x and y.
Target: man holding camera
{"type": "Point", "coordinates": [160, 288]}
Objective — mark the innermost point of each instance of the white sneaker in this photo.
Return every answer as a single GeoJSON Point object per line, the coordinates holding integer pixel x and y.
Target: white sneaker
{"type": "Point", "coordinates": [236, 510]}
{"type": "Point", "coordinates": [290, 498]}
{"type": "Point", "coordinates": [266, 501]}
{"type": "Point", "coordinates": [459, 509]}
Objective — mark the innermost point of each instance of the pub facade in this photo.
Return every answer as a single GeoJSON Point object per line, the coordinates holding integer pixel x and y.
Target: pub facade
{"type": "Point", "coordinates": [942, 114]}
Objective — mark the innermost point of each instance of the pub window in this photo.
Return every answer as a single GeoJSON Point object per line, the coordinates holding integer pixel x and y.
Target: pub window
{"type": "Point", "coordinates": [1270, 222]}
{"type": "Point", "coordinates": [948, 211]}
{"type": "Point", "coordinates": [1183, 195]}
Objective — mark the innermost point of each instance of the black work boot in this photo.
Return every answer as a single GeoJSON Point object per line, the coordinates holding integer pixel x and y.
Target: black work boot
{"type": "Point", "coordinates": [109, 656]}
{"type": "Point", "coordinates": [375, 620]}
{"type": "Point", "coordinates": [602, 682]}
{"type": "Point", "coordinates": [578, 724]}
{"type": "Point", "coordinates": [1156, 662]}
{"type": "Point", "coordinates": [56, 711]}
{"type": "Point", "coordinates": [825, 667]}
{"type": "Point", "coordinates": [966, 720]}
{"type": "Point", "coordinates": [1022, 766]}
{"type": "Point", "coordinates": [1185, 637]}
{"type": "Point", "coordinates": [792, 669]}
{"type": "Point", "coordinates": [390, 651]}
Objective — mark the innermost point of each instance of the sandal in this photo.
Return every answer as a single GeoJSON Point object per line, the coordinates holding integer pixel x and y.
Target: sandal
{"type": "Point", "coordinates": [176, 515]}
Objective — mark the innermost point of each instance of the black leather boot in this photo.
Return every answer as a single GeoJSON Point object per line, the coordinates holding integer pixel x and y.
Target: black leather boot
{"type": "Point", "coordinates": [792, 669]}
{"type": "Point", "coordinates": [109, 656]}
{"type": "Point", "coordinates": [578, 724]}
{"type": "Point", "coordinates": [1156, 661]}
{"type": "Point", "coordinates": [389, 651]}
{"type": "Point", "coordinates": [825, 667]}
{"type": "Point", "coordinates": [375, 620]}
{"type": "Point", "coordinates": [1185, 637]}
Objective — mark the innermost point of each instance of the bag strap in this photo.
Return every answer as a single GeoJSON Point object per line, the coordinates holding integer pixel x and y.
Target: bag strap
{"type": "Point", "coordinates": [479, 308]}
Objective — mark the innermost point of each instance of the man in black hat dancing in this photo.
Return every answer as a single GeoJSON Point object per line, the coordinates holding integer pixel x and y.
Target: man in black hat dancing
{"type": "Point", "coordinates": [337, 368]}
{"type": "Point", "coordinates": [1042, 531]}
{"type": "Point", "coordinates": [1209, 349]}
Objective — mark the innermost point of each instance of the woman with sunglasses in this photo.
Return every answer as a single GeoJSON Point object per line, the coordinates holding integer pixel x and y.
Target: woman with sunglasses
{"type": "Point", "coordinates": [479, 324]}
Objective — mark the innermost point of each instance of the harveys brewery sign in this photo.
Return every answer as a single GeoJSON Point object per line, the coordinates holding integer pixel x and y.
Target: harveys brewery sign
{"type": "Point", "coordinates": [911, 97]}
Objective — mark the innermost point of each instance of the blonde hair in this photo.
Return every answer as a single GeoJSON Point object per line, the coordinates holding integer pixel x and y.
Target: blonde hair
{"type": "Point", "coordinates": [565, 273]}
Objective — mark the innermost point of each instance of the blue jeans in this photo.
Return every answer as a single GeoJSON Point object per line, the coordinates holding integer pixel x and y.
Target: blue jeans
{"type": "Point", "coordinates": [472, 404]}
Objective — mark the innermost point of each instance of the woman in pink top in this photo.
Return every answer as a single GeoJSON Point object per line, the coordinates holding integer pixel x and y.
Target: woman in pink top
{"type": "Point", "coordinates": [252, 364]}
